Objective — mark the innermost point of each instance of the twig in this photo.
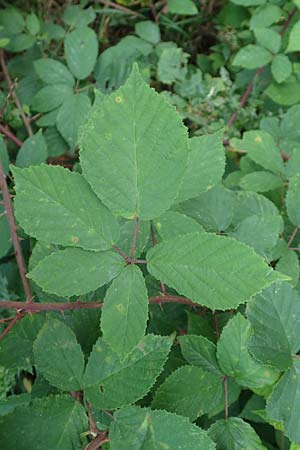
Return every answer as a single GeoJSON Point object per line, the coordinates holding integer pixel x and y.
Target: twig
{"type": "Point", "coordinates": [10, 135]}
{"type": "Point", "coordinates": [12, 323]}
{"type": "Point", "coordinates": [98, 442]}
{"type": "Point", "coordinates": [258, 73]}
{"type": "Point", "coordinates": [40, 307]}
{"type": "Point", "coordinates": [13, 231]}
{"type": "Point", "coordinates": [14, 95]}
{"type": "Point", "coordinates": [135, 235]}
{"type": "Point", "coordinates": [5, 103]}
{"type": "Point", "coordinates": [67, 306]}
{"type": "Point", "coordinates": [292, 237]}
{"type": "Point", "coordinates": [119, 7]}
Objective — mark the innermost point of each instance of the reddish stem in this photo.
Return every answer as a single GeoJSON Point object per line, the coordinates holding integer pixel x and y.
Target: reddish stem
{"type": "Point", "coordinates": [13, 231]}
{"type": "Point", "coordinates": [10, 135]}
{"type": "Point", "coordinates": [292, 237]}
{"type": "Point", "coordinates": [9, 327]}
{"type": "Point", "coordinates": [14, 95]}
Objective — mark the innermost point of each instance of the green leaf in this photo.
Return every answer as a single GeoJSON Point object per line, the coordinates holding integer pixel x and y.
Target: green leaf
{"type": "Point", "coordinates": [59, 356]}
{"type": "Point", "coordinates": [74, 271]}
{"type": "Point", "coordinates": [192, 392]}
{"type": "Point", "coordinates": [205, 166]}
{"type": "Point", "coordinates": [259, 232]}
{"type": "Point", "coordinates": [33, 24]}
{"type": "Point", "coordinates": [76, 17]}
{"type": "Point", "coordinates": [289, 265]}
{"type": "Point", "coordinates": [248, 204]}
{"type": "Point", "coordinates": [81, 50]}
{"type": "Point", "coordinates": [125, 311]}
{"type": "Point", "coordinates": [236, 361]}
{"type": "Point", "coordinates": [69, 213]}
{"type": "Point", "coordinates": [286, 93]}
{"type": "Point", "coordinates": [172, 223]}
{"type": "Point", "coordinates": [71, 116]}
{"type": "Point", "coordinates": [275, 318]}
{"type": "Point", "coordinates": [50, 97]}
{"type": "Point", "coordinates": [187, 8]}
{"type": "Point", "coordinates": [140, 428]}
{"type": "Point", "coordinates": [135, 136]}
{"type": "Point", "coordinates": [33, 151]}
{"type": "Point", "coordinates": [261, 148]}
{"type": "Point", "coordinates": [235, 434]}
{"type": "Point", "coordinates": [20, 42]}
{"type": "Point", "coordinates": [212, 209]}
{"type": "Point", "coordinates": [52, 71]}
{"type": "Point", "coordinates": [148, 30]}
{"type": "Point", "coordinates": [172, 65]}
{"type": "Point", "coordinates": [252, 57]}
{"type": "Point", "coordinates": [110, 383]}
{"type": "Point", "coordinates": [56, 145]}
{"type": "Point", "coordinates": [9, 404]}
{"type": "Point", "coordinates": [281, 68]}
{"type": "Point", "coordinates": [283, 404]}
{"type": "Point", "coordinates": [261, 181]}
{"type": "Point", "coordinates": [294, 39]}
{"type": "Point", "coordinates": [265, 16]}
{"type": "Point", "coordinates": [66, 421]}
{"type": "Point", "coordinates": [268, 38]}
{"type": "Point", "coordinates": [200, 352]}
{"type": "Point", "coordinates": [215, 271]}
{"type": "Point", "coordinates": [16, 348]}
{"type": "Point", "coordinates": [11, 20]}
{"type": "Point", "coordinates": [293, 200]}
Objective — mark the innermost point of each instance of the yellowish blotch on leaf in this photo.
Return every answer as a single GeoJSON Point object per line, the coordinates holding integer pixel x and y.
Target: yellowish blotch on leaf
{"type": "Point", "coordinates": [75, 239]}
{"type": "Point", "coordinates": [258, 139]}
{"type": "Point", "coordinates": [119, 99]}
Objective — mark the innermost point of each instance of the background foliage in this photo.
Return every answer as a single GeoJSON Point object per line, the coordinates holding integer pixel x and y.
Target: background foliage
{"type": "Point", "coordinates": [158, 227]}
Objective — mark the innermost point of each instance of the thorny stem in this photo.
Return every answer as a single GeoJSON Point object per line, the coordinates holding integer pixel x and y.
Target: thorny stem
{"type": "Point", "coordinates": [12, 323]}
{"type": "Point", "coordinates": [10, 135]}
{"type": "Point", "coordinates": [14, 95]}
{"type": "Point", "coordinates": [98, 442]}
{"type": "Point", "coordinates": [292, 237]}
{"type": "Point", "coordinates": [13, 231]}
{"type": "Point", "coordinates": [26, 307]}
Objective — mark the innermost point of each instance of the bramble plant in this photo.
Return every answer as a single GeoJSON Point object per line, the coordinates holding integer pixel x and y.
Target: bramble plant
{"type": "Point", "coordinates": [161, 305]}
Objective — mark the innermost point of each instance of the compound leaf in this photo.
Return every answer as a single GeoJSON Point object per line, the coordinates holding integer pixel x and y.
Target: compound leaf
{"type": "Point", "coordinates": [283, 404]}
{"type": "Point", "coordinates": [74, 271]}
{"type": "Point", "coordinates": [215, 271]}
{"type": "Point", "coordinates": [234, 434]}
{"type": "Point", "coordinates": [125, 311]}
{"type": "Point", "coordinates": [235, 359]}
{"type": "Point", "coordinates": [59, 356]}
{"type": "Point", "coordinates": [134, 151]}
{"type": "Point", "coordinates": [66, 422]}
{"type": "Point", "coordinates": [275, 318]}
{"type": "Point", "coordinates": [205, 166]}
{"type": "Point", "coordinates": [69, 213]}
{"type": "Point", "coordinates": [110, 383]}
{"type": "Point", "coordinates": [140, 428]}
{"type": "Point", "coordinates": [81, 50]}
{"type": "Point", "coordinates": [192, 392]}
